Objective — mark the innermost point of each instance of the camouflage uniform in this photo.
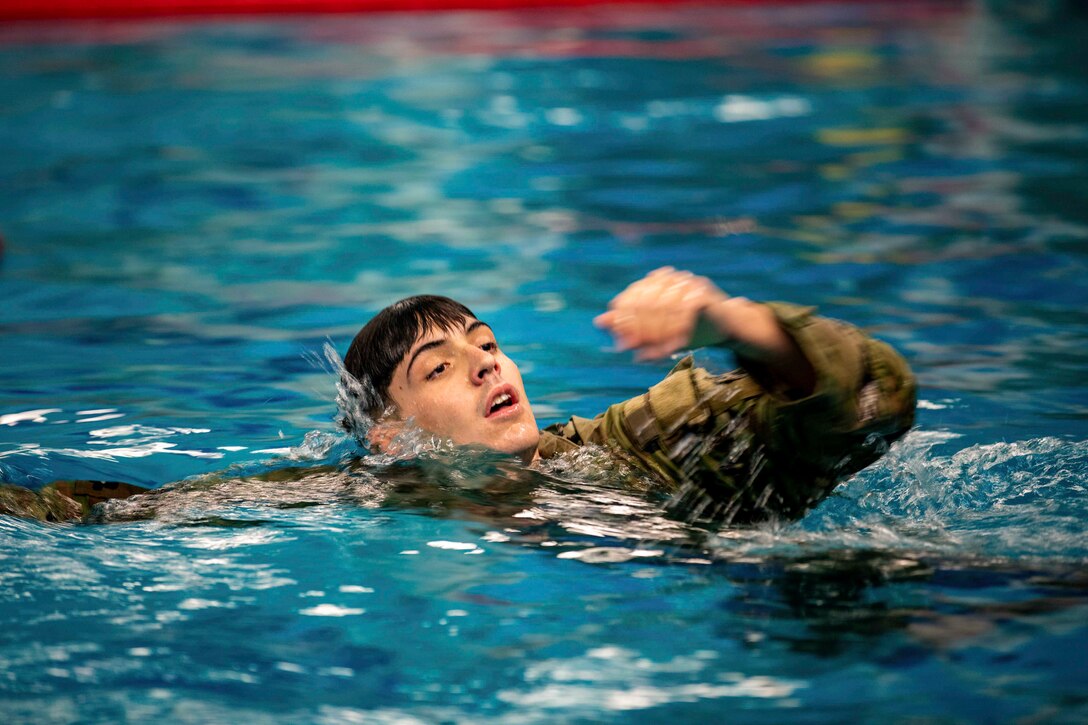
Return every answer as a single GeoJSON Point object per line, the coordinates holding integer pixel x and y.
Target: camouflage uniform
{"type": "Point", "coordinates": [736, 448]}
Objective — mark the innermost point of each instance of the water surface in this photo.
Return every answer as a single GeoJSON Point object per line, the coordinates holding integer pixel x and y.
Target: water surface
{"type": "Point", "coordinates": [192, 210]}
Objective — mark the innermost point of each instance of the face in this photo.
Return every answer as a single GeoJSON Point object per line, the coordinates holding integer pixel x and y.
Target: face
{"type": "Point", "coordinates": [459, 385]}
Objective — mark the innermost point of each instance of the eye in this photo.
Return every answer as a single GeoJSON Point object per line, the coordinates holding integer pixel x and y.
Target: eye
{"type": "Point", "coordinates": [437, 371]}
{"type": "Point", "coordinates": [491, 346]}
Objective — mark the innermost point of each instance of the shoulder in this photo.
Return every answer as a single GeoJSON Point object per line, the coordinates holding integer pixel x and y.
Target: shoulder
{"type": "Point", "coordinates": [554, 441]}
{"type": "Point", "coordinates": [688, 396]}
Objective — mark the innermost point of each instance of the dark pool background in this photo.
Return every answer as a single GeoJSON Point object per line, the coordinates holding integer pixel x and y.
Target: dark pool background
{"type": "Point", "coordinates": [191, 210]}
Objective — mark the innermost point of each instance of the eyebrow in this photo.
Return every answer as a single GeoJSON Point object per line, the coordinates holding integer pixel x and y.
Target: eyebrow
{"type": "Point", "coordinates": [439, 342]}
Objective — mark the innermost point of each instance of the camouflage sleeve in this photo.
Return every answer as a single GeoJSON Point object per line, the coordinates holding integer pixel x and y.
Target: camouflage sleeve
{"type": "Point", "coordinates": [739, 437]}
{"type": "Point", "coordinates": [864, 397]}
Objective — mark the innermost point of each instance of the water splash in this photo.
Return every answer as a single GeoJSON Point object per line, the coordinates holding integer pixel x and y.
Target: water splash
{"type": "Point", "coordinates": [1021, 500]}
{"type": "Point", "coordinates": [353, 397]}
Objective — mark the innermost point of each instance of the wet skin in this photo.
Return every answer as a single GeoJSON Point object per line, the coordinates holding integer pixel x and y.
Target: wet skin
{"type": "Point", "coordinates": [459, 385]}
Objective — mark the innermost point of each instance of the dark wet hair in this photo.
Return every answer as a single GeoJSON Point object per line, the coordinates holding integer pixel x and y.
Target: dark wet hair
{"type": "Point", "coordinates": [383, 342]}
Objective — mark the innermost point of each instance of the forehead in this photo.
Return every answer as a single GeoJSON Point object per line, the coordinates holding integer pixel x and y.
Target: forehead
{"type": "Point", "coordinates": [434, 337]}
{"type": "Point", "coordinates": [438, 332]}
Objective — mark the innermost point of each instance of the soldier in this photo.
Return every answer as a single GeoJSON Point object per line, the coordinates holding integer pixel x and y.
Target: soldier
{"type": "Point", "coordinates": [814, 401]}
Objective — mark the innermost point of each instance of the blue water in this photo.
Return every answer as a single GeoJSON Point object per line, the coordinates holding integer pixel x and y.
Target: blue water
{"type": "Point", "coordinates": [191, 211]}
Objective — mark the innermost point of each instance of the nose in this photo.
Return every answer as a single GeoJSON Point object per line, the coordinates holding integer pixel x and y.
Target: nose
{"type": "Point", "coordinates": [483, 365]}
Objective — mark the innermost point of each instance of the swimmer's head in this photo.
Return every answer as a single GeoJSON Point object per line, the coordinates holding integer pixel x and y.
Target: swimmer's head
{"type": "Point", "coordinates": [429, 359]}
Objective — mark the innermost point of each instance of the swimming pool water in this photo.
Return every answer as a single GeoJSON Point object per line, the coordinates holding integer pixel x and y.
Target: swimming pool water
{"type": "Point", "coordinates": [191, 210]}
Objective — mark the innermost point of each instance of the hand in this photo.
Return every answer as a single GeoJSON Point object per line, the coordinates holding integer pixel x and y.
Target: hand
{"type": "Point", "coordinates": [658, 314]}
{"type": "Point", "coordinates": [666, 309]}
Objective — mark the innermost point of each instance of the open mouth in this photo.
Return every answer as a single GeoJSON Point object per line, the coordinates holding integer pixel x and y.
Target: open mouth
{"type": "Point", "coordinates": [504, 399]}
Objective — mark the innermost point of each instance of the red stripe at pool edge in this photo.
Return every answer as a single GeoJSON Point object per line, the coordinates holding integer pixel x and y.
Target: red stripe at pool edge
{"type": "Point", "coordinates": [57, 9]}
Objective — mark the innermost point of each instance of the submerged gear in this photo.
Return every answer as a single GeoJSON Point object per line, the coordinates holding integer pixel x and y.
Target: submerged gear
{"type": "Point", "coordinates": [45, 505]}
{"type": "Point", "coordinates": [736, 448]}
{"type": "Point", "coordinates": [62, 500]}
{"type": "Point", "coordinates": [88, 493]}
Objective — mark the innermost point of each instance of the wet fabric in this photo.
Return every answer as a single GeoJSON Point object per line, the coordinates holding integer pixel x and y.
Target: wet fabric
{"type": "Point", "coordinates": [737, 447]}
{"type": "Point", "coordinates": [44, 505]}
{"type": "Point", "coordinates": [62, 500]}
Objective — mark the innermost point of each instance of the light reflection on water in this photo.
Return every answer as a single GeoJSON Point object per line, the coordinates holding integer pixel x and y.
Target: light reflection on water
{"type": "Point", "coordinates": [195, 208]}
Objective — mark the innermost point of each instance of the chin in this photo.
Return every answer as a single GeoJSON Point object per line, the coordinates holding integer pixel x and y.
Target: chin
{"type": "Point", "coordinates": [521, 444]}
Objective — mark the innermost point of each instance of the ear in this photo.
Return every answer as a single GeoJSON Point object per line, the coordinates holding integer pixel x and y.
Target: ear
{"type": "Point", "coordinates": [382, 433]}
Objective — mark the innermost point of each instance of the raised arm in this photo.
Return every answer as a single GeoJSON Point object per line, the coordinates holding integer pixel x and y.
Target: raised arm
{"type": "Point", "coordinates": [668, 310]}
{"type": "Point", "coordinates": [816, 399]}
